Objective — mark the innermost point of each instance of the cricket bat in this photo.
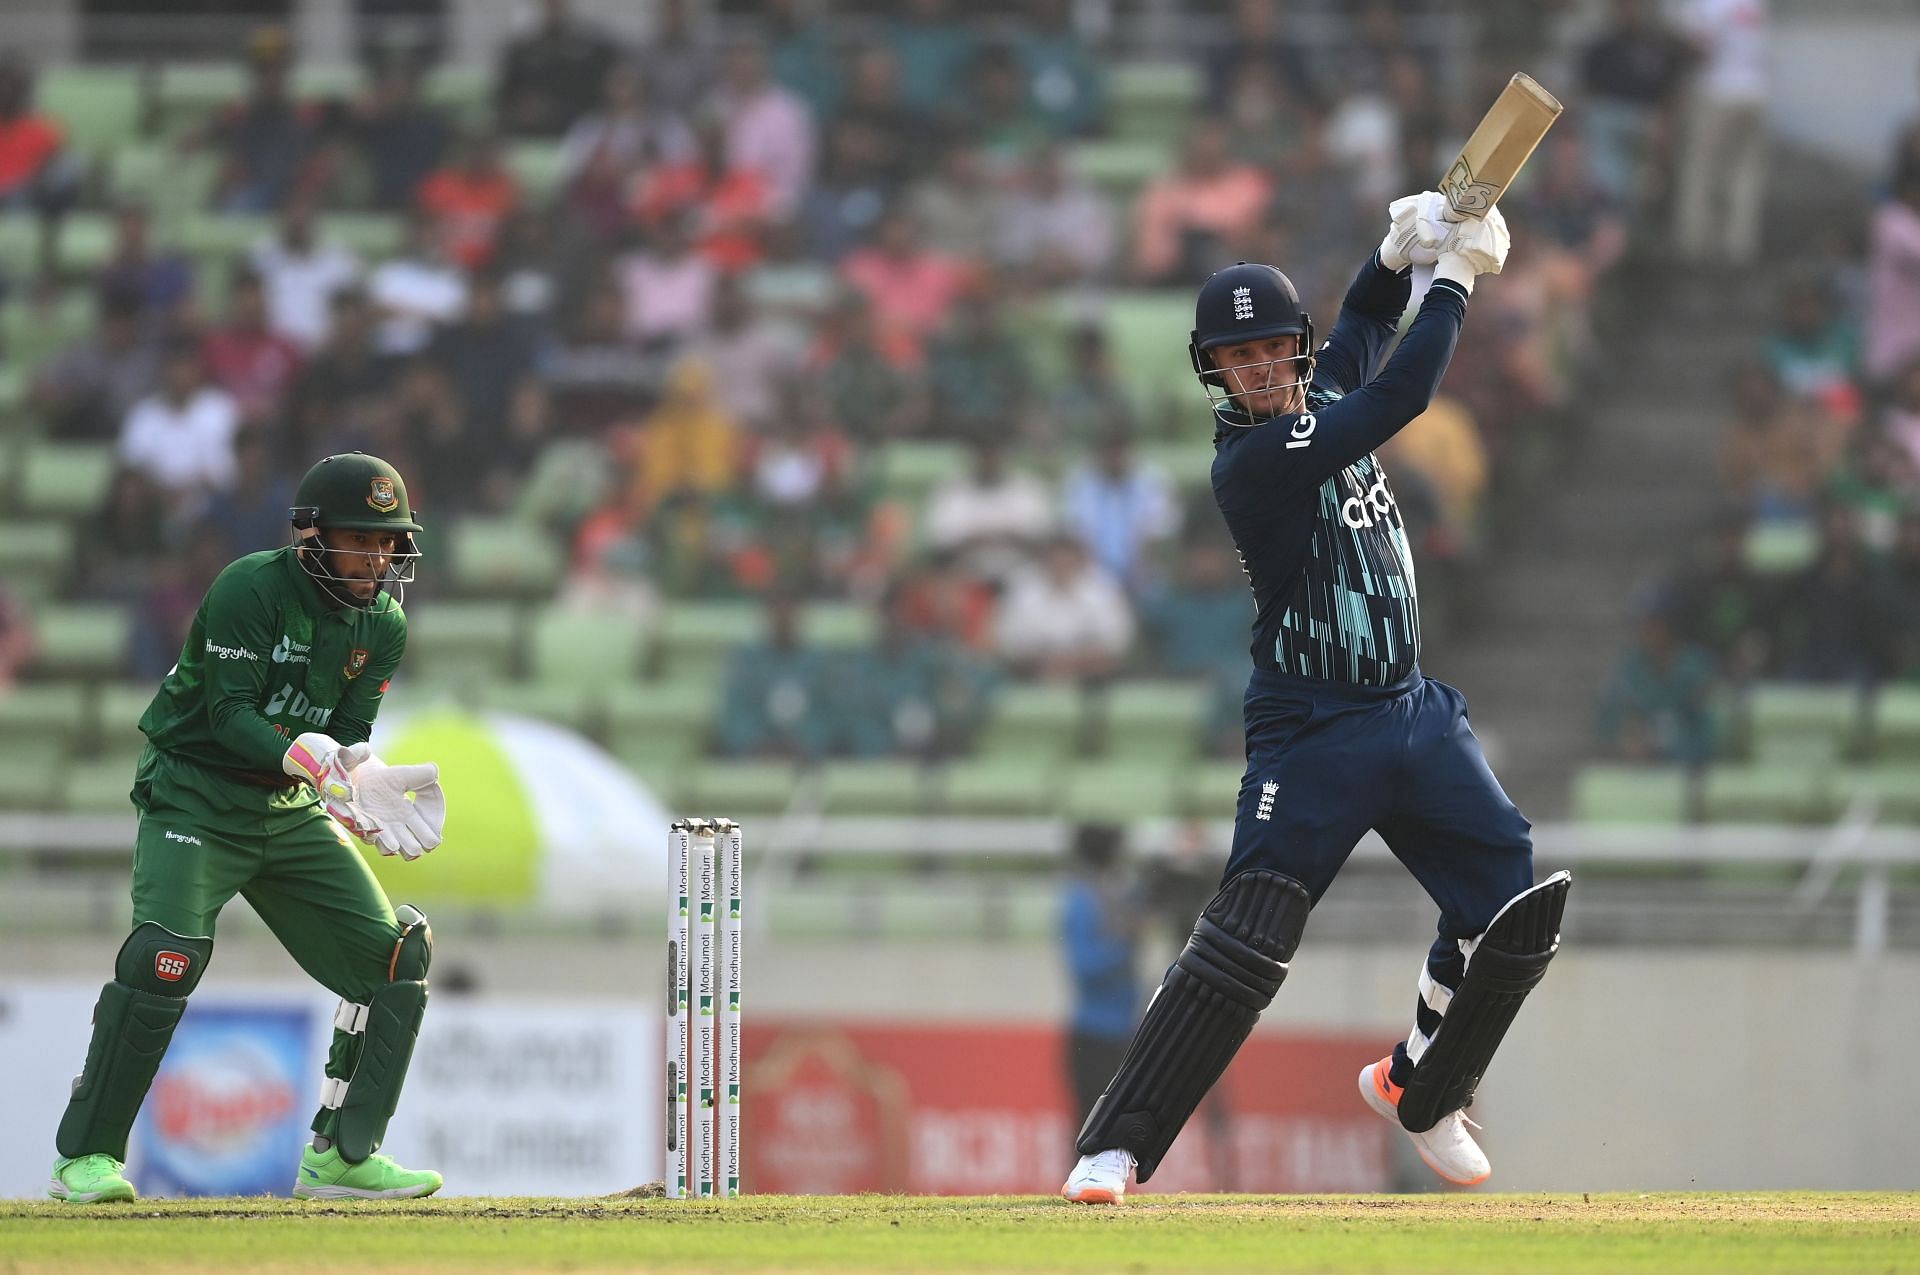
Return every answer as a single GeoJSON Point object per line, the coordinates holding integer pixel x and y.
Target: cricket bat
{"type": "Point", "coordinates": [1494, 155]}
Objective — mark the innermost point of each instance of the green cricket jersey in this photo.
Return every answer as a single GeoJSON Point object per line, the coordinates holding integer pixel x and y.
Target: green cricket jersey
{"type": "Point", "coordinates": [270, 656]}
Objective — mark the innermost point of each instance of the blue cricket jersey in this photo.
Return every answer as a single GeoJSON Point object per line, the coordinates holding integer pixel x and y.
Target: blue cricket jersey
{"type": "Point", "coordinates": [1319, 534]}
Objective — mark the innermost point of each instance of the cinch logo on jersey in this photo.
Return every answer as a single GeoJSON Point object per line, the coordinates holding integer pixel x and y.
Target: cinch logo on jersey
{"type": "Point", "coordinates": [1363, 511]}
{"type": "Point", "coordinates": [291, 652]}
{"type": "Point", "coordinates": [296, 704]}
{"type": "Point", "coordinates": [171, 966]}
{"type": "Point", "coordinates": [229, 652]}
{"type": "Point", "coordinates": [182, 838]}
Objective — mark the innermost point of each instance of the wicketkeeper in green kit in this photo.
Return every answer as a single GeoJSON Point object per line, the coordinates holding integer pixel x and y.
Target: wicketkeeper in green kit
{"type": "Point", "coordinates": [256, 769]}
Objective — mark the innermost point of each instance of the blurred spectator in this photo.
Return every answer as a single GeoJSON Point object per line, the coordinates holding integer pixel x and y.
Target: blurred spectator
{"type": "Point", "coordinates": [933, 49]}
{"type": "Point", "coordinates": [552, 75]}
{"type": "Point", "coordinates": [774, 694]}
{"type": "Point", "coordinates": [1363, 131]}
{"type": "Point", "coordinates": [1813, 348]}
{"type": "Point", "coordinates": [595, 374]}
{"type": "Point", "coordinates": [1720, 606]}
{"type": "Point", "coordinates": [864, 371]}
{"type": "Point", "coordinates": [1100, 926]}
{"type": "Point", "coordinates": [343, 374]}
{"type": "Point", "coordinates": [117, 553]}
{"type": "Point", "coordinates": [886, 130]}
{"type": "Point", "coordinates": [725, 206]}
{"type": "Point", "coordinates": [688, 443]}
{"type": "Point", "coordinates": [1258, 41]}
{"type": "Point", "coordinates": [910, 286]}
{"type": "Point", "coordinates": [802, 461]}
{"type": "Point", "coordinates": [1875, 482]}
{"type": "Point", "coordinates": [1722, 171]}
{"type": "Point", "coordinates": [755, 357]}
{"type": "Point", "coordinates": [1184, 217]}
{"type": "Point", "coordinates": [246, 358]}
{"type": "Point", "coordinates": [301, 274]}
{"type": "Point", "coordinates": [267, 141]}
{"type": "Point", "coordinates": [86, 391]}
{"type": "Point", "coordinates": [1054, 229]}
{"type": "Point", "coordinates": [163, 281]}
{"type": "Point", "coordinates": [1120, 509]}
{"type": "Point", "coordinates": [958, 206]}
{"type": "Point", "coordinates": [978, 377]}
{"type": "Point", "coordinates": [1903, 588]}
{"type": "Point", "coordinates": [941, 599]}
{"type": "Point", "coordinates": [182, 436]}
{"type": "Point", "coordinates": [854, 187]}
{"type": "Point", "coordinates": [18, 642]}
{"type": "Point", "coordinates": [416, 290]}
{"type": "Point", "coordinates": [1064, 618]}
{"type": "Point", "coordinates": [485, 358]}
{"type": "Point", "coordinates": [1199, 623]}
{"type": "Point", "coordinates": [612, 559]}
{"type": "Point", "coordinates": [993, 516]}
{"type": "Point", "coordinates": [401, 137]}
{"type": "Point", "coordinates": [605, 152]}
{"type": "Point", "coordinates": [1066, 79]}
{"type": "Point", "coordinates": [469, 199]}
{"type": "Point", "coordinates": [888, 700]}
{"type": "Point", "coordinates": [1657, 706]}
{"type": "Point", "coordinates": [997, 111]}
{"type": "Point", "coordinates": [174, 590]}
{"type": "Point", "coordinates": [1902, 420]}
{"type": "Point", "coordinates": [36, 171]}
{"type": "Point", "coordinates": [1632, 72]}
{"type": "Point", "coordinates": [253, 516]}
{"type": "Point", "coordinates": [1833, 620]}
{"type": "Point", "coordinates": [668, 286]}
{"type": "Point", "coordinates": [677, 63]}
{"type": "Point", "coordinates": [1580, 235]}
{"type": "Point", "coordinates": [802, 52]}
{"type": "Point", "coordinates": [1893, 287]}
{"type": "Point", "coordinates": [527, 260]}
{"type": "Point", "coordinates": [769, 131]}
{"type": "Point", "coordinates": [1088, 401]}
{"type": "Point", "coordinates": [1778, 449]}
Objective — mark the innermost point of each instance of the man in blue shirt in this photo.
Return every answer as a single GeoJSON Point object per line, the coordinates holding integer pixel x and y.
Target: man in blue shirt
{"type": "Point", "coordinates": [1344, 734]}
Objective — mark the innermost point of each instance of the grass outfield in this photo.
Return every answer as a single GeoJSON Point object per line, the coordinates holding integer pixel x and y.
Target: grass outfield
{"type": "Point", "coordinates": [1667, 1234]}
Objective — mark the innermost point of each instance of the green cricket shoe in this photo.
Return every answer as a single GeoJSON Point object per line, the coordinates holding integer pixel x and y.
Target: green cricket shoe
{"type": "Point", "coordinates": [89, 1179]}
{"type": "Point", "coordinates": [325, 1176]}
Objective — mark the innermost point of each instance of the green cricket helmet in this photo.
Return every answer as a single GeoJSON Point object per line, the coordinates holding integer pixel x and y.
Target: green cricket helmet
{"type": "Point", "coordinates": [354, 492]}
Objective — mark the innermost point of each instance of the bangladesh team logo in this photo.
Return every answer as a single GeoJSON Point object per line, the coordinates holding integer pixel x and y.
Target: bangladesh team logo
{"type": "Point", "coordinates": [381, 495]}
{"type": "Point", "coordinates": [356, 663]}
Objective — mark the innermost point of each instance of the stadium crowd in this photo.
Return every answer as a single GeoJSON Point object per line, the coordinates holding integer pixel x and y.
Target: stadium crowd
{"type": "Point", "coordinates": [755, 269]}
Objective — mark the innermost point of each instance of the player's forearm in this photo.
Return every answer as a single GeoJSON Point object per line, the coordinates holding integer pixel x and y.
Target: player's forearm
{"type": "Point", "coordinates": [1378, 293]}
{"type": "Point", "coordinates": [243, 730]}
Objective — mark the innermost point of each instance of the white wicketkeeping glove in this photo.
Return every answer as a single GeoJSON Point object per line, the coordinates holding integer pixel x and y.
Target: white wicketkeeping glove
{"type": "Point", "coordinates": [408, 828]}
{"type": "Point", "coordinates": [1412, 217]}
{"type": "Point", "coordinates": [1475, 247]}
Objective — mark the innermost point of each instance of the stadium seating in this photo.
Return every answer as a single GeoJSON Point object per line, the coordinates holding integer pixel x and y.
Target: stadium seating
{"type": "Point", "coordinates": [450, 640]}
{"type": "Point", "coordinates": [36, 557]}
{"type": "Point", "coordinates": [1614, 794]}
{"type": "Point", "coordinates": [64, 480]}
{"type": "Point", "coordinates": [83, 638]}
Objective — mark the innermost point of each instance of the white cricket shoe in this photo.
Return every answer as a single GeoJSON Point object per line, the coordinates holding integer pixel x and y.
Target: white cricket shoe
{"type": "Point", "coordinates": [1448, 1147]}
{"type": "Point", "coordinates": [1099, 1179]}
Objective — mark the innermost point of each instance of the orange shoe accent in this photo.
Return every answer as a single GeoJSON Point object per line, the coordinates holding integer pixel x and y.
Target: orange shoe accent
{"type": "Point", "coordinates": [1092, 1195]}
{"type": "Point", "coordinates": [1383, 1083]}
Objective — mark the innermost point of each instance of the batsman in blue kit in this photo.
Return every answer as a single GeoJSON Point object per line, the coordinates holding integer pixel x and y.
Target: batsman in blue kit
{"type": "Point", "coordinates": [1344, 733]}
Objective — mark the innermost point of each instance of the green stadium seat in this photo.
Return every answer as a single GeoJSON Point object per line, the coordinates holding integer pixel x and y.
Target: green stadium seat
{"type": "Point", "coordinates": [1121, 166]}
{"type": "Point", "coordinates": [1189, 463]}
{"type": "Point", "coordinates": [696, 639]}
{"type": "Point", "coordinates": [117, 710]}
{"type": "Point", "coordinates": [1775, 548]}
{"type": "Point", "coordinates": [32, 776]}
{"type": "Point", "coordinates": [98, 106]}
{"type": "Point", "coordinates": [370, 236]}
{"type": "Point", "coordinates": [536, 166]}
{"type": "Point", "coordinates": [1209, 789]}
{"type": "Point", "coordinates": [176, 186]}
{"type": "Point", "coordinates": [1147, 333]}
{"type": "Point", "coordinates": [19, 244]}
{"type": "Point", "coordinates": [1894, 790]}
{"type": "Point", "coordinates": [654, 726]}
{"type": "Point", "coordinates": [450, 640]}
{"type": "Point", "coordinates": [99, 787]}
{"type": "Point", "coordinates": [81, 639]}
{"type": "Point", "coordinates": [568, 481]}
{"type": "Point", "coordinates": [31, 335]}
{"type": "Point", "coordinates": [466, 91]}
{"type": "Point", "coordinates": [1158, 85]}
{"type": "Point", "coordinates": [1044, 720]}
{"type": "Point", "coordinates": [998, 786]}
{"type": "Point", "coordinates": [84, 244]}
{"type": "Point", "coordinates": [589, 649]}
{"type": "Point", "coordinates": [883, 787]}
{"type": "Point", "coordinates": [343, 79]}
{"type": "Point", "coordinates": [730, 789]}
{"type": "Point", "coordinates": [35, 557]}
{"type": "Point", "coordinates": [1803, 723]}
{"type": "Point", "coordinates": [562, 704]}
{"type": "Point", "coordinates": [910, 470]}
{"type": "Point", "coordinates": [494, 556]}
{"type": "Point", "coordinates": [190, 91]}
{"type": "Point", "coordinates": [1615, 794]}
{"type": "Point", "coordinates": [1117, 792]}
{"type": "Point", "coordinates": [216, 239]}
{"type": "Point", "coordinates": [1146, 720]}
{"type": "Point", "coordinates": [1896, 723]}
{"type": "Point", "coordinates": [53, 714]}
{"type": "Point", "coordinates": [841, 624]}
{"type": "Point", "coordinates": [1765, 793]}
{"type": "Point", "coordinates": [64, 480]}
